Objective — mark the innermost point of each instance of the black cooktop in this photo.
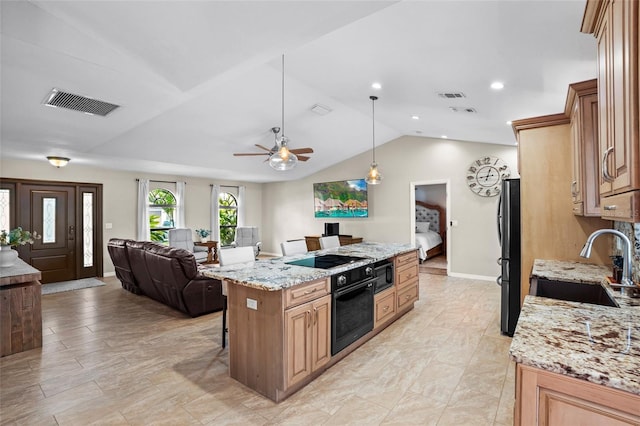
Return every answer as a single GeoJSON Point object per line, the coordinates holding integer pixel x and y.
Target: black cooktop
{"type": "Point", "coordinates": [325, 261]}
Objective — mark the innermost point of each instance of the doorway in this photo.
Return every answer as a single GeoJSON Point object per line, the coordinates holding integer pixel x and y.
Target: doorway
{"type": "Point", "coordinates": [433, 194]}
{"type": "Point", "coordinates": [68, 216]}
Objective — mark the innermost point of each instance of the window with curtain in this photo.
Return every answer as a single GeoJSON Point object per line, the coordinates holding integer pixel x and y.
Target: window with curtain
{"type": "Point", "coordinates": [162, 209]}
{"type": "Point", "coordinates": [228, 211]}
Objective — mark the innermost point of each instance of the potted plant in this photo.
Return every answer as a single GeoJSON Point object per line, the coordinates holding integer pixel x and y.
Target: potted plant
{"type": "Point", "coordinates": [13, 238]}
{"type": "Point", "coordinates": [203, 234]}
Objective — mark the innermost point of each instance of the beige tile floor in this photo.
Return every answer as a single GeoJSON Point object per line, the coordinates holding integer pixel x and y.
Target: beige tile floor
{"type": "Point", "coordinates": [110, 357]}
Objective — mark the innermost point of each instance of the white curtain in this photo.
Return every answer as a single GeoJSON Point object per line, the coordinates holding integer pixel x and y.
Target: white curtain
{"type": "Point", "coordinates": [241, 209]}
{"type": "Point", "coordinates": [143, 210]}
{"type": "Point", "coordinates": [215, 213]}
{"type": "Point", "coordinates": [179, 219]}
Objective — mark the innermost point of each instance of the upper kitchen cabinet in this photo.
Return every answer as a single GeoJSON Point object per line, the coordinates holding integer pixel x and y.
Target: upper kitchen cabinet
{"type": "Point", "coordinates": [582, 108]}
{"type": "Point", "coordinates": [614, 23]}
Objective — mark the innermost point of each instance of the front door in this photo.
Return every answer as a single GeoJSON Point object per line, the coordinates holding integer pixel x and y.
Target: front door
{"type": "Point", "coordinates": [52, 215]}
{"type": "Point", "coordinates": [68, 217]}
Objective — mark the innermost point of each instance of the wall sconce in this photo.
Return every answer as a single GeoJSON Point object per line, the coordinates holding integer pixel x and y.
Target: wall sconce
{"type": "Point", "coordinates": [58, 161]}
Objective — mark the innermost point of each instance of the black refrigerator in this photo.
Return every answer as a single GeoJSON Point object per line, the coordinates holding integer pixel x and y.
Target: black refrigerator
{"type": "Point", "coordinates": [509, 237]}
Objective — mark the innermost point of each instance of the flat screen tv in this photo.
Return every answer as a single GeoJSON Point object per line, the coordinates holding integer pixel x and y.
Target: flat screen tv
{"type": "Point", "coordinates": [344, 198]}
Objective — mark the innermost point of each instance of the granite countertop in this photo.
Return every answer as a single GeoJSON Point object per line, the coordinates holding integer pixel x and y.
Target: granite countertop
{"type": "Point", "coordinates": [274, 274]}
{"type": "Point", "coordinates": [596, 343]}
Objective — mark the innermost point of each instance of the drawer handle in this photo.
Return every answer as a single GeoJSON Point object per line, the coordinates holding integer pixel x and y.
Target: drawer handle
{"type": "Point", "coordinates": [311, 291]}
{"type": "Point", "coordinates": [611, 207]}
{"type": "Point", "coordinates": [386, 308]}
{"type": "Point", "coordinates": [574, 188]}
{"type": "Point", "coordinates": [605, 165]}
{"type": "Point", "coordinates": [407, 297]}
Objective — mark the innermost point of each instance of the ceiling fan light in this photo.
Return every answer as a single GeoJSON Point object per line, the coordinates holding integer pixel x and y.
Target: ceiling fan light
{"type": "Point", "coordinates": [374, 177]}
{"type": "Point", "coordinates": [280, 163]}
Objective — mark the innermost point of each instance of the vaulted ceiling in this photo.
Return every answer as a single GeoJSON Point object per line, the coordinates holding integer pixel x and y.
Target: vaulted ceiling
{"type": "Point", "coordinates": [197, 81]}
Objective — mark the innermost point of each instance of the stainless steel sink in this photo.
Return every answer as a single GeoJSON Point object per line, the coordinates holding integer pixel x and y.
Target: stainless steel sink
{"type": "Point", "coordinates": [595, 294]}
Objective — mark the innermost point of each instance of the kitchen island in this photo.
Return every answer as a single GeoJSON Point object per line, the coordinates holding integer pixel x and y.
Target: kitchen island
{"type": "Point", "coordinates": [280, 315]}
{"type": "Point", "coordinates": [577, 363]}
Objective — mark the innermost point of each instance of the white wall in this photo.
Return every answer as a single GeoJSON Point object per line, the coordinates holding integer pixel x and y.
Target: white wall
{"type": "Point", "coordinates": [288, 206]}
{"type": "Point", "coordinates": [120, 194]}
{"type": "Point", "coordinates": [432, 194]}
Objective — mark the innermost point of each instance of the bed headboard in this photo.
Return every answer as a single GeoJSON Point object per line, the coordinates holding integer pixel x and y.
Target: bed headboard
{"type": "Point", "coordinates": [431, 213]}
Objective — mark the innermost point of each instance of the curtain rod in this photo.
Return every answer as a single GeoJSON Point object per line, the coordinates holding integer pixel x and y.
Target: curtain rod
{"type": "Point", "coordinates": [161, 181]}
{"type": "Point", "coordinates": [225, 186]}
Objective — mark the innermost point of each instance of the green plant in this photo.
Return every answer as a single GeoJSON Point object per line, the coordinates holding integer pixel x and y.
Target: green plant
{"type": "Point", "coordinates": [18, 236]}
{"type": "Point", "coordinates": [203, 233]}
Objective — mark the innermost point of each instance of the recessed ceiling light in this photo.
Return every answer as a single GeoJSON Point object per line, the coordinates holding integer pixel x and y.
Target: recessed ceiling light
{"type": "Point", "coordinates": [508, 123]}
{"type": "Point", "coordinates": [444, 137]}
{"type": "Point", "coordinates": [415, 117]}
{"type": "Point", "coordinates": [376, 86]}
{"type": "Point", "coordinates": [497, 85]}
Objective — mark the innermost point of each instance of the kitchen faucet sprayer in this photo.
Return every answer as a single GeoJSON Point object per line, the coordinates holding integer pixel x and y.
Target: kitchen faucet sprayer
{"type": "Point", "coordinates": [626, 281]}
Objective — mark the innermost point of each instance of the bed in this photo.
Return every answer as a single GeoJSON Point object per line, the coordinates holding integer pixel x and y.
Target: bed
{"type": "Point", "coordinates": [430, 230]}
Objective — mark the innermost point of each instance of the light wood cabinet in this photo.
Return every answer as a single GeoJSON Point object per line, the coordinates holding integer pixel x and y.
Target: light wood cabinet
{"type": "Point", "coordinates": [582, 109]}
{"type": "Point", "coordinates": [385, 307]}
{"type": "Point", "coordinates": [614, 23]}
{"type": "Point", "coordinates": [545, 398]}
{"type": "Point", "coordinates": [307, 338]}
{"type": "Point", "coordinates": [406, 279]}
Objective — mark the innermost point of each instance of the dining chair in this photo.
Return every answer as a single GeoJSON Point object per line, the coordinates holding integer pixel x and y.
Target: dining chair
{"type": "Point", "coordinates": [293, 247]}
{"type": "Point", "coordinates": [332, 241]}
{"type": "Point", "coordinates": [232, 256]}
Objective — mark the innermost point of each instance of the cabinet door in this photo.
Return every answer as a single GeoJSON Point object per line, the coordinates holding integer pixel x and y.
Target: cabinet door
{"type": "Point", "coordinates": [297, 322]}
{"type": "Point", "coordinates": [618, 97]}
{"type": "Point", "coordinates": [321, 332]}
{"type": "Point", "coordinates": [577, 161]}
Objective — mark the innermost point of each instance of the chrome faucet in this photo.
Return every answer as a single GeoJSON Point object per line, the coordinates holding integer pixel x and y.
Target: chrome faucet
{"type": "Point", "coordinates": [626, 281]}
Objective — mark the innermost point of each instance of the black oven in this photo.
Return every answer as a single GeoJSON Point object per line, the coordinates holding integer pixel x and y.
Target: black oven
{"type": "Point", "coordinates": [352, 307]}
{"type": "Point", "coordinates": [383, 273]}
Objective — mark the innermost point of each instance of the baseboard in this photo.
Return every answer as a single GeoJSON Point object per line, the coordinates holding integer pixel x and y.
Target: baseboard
{"type": "Point", "coordinates": [109, 274]}
{"type": "Point", "coordinates": [472, 276]}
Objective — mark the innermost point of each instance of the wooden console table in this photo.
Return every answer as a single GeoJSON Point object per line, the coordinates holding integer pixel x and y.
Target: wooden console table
{"type": "Point", "coordinates": [20, 307]}
{"type": "Point", "coordinates": [212, 253]}
{"type": "Point", "coordinates": [313, 242]}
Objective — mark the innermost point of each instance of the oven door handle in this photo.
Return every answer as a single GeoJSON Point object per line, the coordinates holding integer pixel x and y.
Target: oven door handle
{"type": "Point", "coordinates": [343, 291]}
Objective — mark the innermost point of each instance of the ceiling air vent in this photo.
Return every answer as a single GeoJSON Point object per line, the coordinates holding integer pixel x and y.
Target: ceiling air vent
{"type": "Point", "coordinates": [463, 109]}
{"type": "Point", "coordinates": [321, 109]}
{"type": "Point", "coordinates": [451, 95]}
{"type": "Point", "coordinates": [59, 99]}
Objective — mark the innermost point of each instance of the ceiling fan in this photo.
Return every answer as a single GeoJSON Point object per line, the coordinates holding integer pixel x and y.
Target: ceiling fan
{"type": "Point", "coordinates": [280, 156]}
{"type": "Point", "coordinates": [278, 145]}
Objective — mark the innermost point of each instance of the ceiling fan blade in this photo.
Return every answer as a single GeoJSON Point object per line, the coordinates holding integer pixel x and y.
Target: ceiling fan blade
{"type": "Point", "coordinates": [302, 157]}
{"type": "Point", "coordinates": [262, 147]}
{"type": "Point", "coordinates": [243, 154]}
{"type": "Point", "coordinates": [302, 151]}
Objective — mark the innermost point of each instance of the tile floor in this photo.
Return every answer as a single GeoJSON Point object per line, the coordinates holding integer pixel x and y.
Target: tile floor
{"type": "Point", "coordinates": [111, 357]}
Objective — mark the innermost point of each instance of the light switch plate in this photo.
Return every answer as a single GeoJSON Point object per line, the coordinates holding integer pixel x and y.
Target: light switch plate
{"type": "Point", "coordinates": [252, 304]}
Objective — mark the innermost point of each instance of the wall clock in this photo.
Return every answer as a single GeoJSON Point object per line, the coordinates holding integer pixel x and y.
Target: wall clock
{"type": "Point", "coordinates": [485, 175]}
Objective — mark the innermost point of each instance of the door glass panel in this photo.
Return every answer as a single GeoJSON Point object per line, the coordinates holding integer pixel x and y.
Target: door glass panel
{"type": "Point", "coordinates": [48, 220]}
{"type": "Point", "coordinates": [87, 228]}
{"type": "Point", "coordinates": [5, 208]}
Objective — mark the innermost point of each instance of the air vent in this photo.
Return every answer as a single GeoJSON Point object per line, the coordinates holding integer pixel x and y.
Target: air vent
{"type": "Point", "coordinates": [321, 109]}
{"type": "Point", "coordinates": [59, 99]}
{"type": "Point", "coordinates": [451, 95]}
{"type": "Point", "coordinates": [463, 109]}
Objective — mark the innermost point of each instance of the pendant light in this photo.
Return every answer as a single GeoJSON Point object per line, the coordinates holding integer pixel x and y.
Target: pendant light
{"type": "Point", "coordinates": [373, 177]}
{"type": "Point", "coordinates": [283, 159]}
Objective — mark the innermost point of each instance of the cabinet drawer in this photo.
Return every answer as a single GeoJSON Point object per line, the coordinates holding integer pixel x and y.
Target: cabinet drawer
{"type": "Point", "coordinates": [406, 275]}
{"type": "Point", "coordinates": [406, 259]}
{"type": "Point", "coordinates": [385, 306]}
{"type": "Point", "coordinates": [578, 209]}
{"type": "Point", "coordinates": [305, 292]}
{"type": "Point", "coordinates": [623, 207]}
{"type": "Point", "coordinates": [407, 296]}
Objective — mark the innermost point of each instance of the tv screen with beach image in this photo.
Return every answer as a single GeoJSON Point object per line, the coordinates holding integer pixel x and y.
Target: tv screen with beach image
{"type": "Point", "coordinates": [344, 198]}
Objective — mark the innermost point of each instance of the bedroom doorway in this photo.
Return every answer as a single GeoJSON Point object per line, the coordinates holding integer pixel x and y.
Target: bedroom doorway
{"type": "Point", "coordinates": [431, 198]}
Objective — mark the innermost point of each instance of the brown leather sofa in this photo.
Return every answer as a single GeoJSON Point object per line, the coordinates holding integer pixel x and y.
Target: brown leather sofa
{"type": "Point", "coordinates": [166, 274]}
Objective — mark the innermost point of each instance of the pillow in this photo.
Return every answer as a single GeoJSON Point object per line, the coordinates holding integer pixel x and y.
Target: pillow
{"type": "Point", "coordinates": [422, 227]}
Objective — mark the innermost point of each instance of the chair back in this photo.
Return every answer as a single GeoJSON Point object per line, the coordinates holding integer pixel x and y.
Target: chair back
{"type": "Point", "coordinates": [232, 255]}
{"type": "Point", "coordinates": [248, 236]}
{"type": "Point", "coordinates": [331, 241]}
{"type": "Point", "coordinates": [181, 238]}
{"type": "Point", "coordinates": [293, 247]}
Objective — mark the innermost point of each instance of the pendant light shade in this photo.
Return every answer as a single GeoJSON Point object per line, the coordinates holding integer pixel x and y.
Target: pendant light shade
{"type": "Point", "coordinates": [283, 159]}
{"type": "Point", "coordinates": [374, 176]}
